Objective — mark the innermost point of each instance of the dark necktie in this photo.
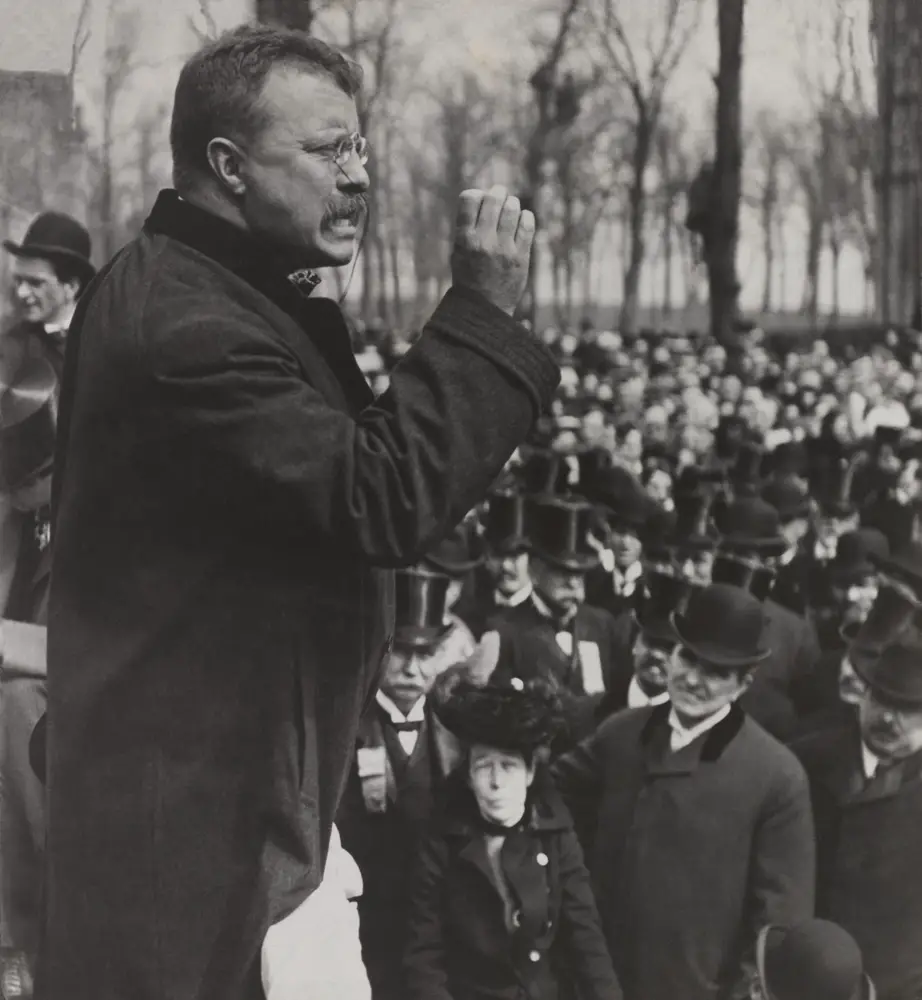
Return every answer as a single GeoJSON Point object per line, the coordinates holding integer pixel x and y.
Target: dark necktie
{"type": "Point", "coordinates": [405, 726]}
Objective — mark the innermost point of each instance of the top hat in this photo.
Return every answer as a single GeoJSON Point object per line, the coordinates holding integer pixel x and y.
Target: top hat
{"type": "Point", "coordinates": [458, 553]}
{"type": "Point", "coordinates": [723, 626]}
{"type": "Point", "coordinates": [516, 715]}
{"type": "Point", "coordinates": [789, 497]}
{"type": "Point", "coordinates": [750, 524]}
{"type": "Point", "coordinates": [27, 423]}
{"type": "Point", "coordinates": [421, 607]}
{"type": "Point", "coordinates": [895, 675]}
{"type": "Point", "coordinates": [656, 536]}
{"type": "Point", "coordinates": [621, 495]}
{"type": "Point", "coordinates": [558, 528]}
{"type": "Point", "coordinates": [816, 959]}
{"type": "Point", "coordinates": [592, 461]}
{"type": "Point", "coordinates": [662, 594]}
{"type": "Point", "coordinates": [748, 574]}
{"type": "Point", "coordinates": [56, 236]}
{"type": "Point", "coordinates": [852, 561]}
{"type": "Point", "coordinates": [693, 528]}
{"type": "Point", "coordinates": [837, 499]}
{"type": "Point", "coordinates": [544, 471]}
{"type": "Point", "coordinates": [504, 524]}
{"type": "Point", "coordinates": [746, 474]}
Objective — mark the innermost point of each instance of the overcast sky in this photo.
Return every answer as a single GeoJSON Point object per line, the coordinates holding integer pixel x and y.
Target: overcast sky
{"type": "Point", "coordinates": [784, 51]}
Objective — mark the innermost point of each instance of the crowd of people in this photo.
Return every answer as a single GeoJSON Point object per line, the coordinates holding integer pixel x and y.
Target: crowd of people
{"type": "Point", "coordinates": [641, 717]}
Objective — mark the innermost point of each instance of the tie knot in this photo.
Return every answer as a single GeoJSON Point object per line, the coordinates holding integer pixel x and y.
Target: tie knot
{"type": "Point", "coordinates": [407, 727]}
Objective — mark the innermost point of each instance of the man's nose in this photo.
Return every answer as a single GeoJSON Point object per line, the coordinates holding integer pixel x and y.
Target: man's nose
{"type": "Point", "coordinates": [353, 177]}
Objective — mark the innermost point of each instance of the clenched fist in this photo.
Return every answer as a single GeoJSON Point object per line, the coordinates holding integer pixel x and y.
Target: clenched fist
{"type": "Point", "coordinates": [492, 246]}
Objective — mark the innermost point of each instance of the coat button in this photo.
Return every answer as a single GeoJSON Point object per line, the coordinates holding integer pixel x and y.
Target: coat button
{"type": "Point", "coordinates": [542, 859]}
{"type": "Point", "coordinates": [534, 956]}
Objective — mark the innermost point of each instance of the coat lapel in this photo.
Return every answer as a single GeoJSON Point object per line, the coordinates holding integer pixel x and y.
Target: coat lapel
{"type": "Point", "coordinates": [527, 878]}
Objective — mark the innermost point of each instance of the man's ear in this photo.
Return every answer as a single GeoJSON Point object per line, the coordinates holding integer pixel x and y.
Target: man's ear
{"type": "Point", "coordinates": [746, 682]}
{"type": "Point", "coordinates": [226, 161]}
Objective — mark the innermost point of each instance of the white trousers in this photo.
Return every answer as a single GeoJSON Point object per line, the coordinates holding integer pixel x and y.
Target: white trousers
{"type": "Point", "coordinates": [315, 952]}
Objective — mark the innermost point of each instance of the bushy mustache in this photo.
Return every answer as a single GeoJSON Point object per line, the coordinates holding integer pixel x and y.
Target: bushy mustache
{"type": "Point", "coordinates": [353, 207]}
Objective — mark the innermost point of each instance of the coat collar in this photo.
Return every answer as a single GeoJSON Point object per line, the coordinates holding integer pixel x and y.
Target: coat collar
{"type": "Point", "coordinates": [231, 247]}
{"type": "Point", "coordinates": [654, 738]}
{"type": "Point", "coordinates": [458, 816]}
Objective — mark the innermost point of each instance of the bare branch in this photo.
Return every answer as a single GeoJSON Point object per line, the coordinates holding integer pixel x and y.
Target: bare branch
{"type": "Point", "coordinates": [81, 37]}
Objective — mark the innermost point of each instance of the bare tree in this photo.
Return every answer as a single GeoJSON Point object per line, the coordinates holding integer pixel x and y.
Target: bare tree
{"type": "Point", "coordinates": [770, 140]}
{"type": "Point", "coordinates": [643, 72]}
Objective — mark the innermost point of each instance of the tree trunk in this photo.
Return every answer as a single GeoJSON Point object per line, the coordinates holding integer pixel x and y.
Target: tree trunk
{"type": "Point", "coordinates": [724, 232]}
{"type": "Point", "coordinates": [768, 248]}
{"type": "Point", "coordinates": [637, 211]}
{"type": "Point", "coordinates": [587, 278]}
{"type": "Point", "coordinates": [667, 254]}
{"type": "Point", "coordinates": [810, 302]}
{"type": "Point", "coordinates": [782, 265]}
{"type": "Point", "coordinates": [835, 250]}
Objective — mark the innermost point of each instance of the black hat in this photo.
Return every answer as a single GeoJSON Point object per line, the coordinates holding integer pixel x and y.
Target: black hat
{"type": "Point", "coordinates": [887, 436]}
{"type": "Point", "coordinates": [816, 959]}
{"type": "Point", "coordinates": [56, 236]}
{"type": "Point", "coordinates": [622, 496]}
{"type": "Point", "coordinates": [890, 616]}
{"type": "Point", "coordinates": [750, 524]}
{"type": "Point", "coordinates": [558, 528]}
{"type": "Point", "coordinates": [458, 553]}
{"type": "Point", "coordinates": [504, 524]}
{"type": "Point", "coordinates": [27, 422]}
{"type": "Point", "coordinates": [421, 607]}
{"type": "Point", "coordinates": [896, 673]}
{"type": "Point", "coordinates": [788, 459]}
{"type": "Point", "coordinates": [723, 625]}
{"type": "Point", "coordinates": [693, 528]}
{"type": "Point", "coordinates": [852, 560]}
{"type": "Point", "coordinates": [662, 594]}
{"type": "Point", "coordinates": [836, 499]}
{"type": "Point", "coordinates": [544, 471]}
{"type": "Point", "coordinates": [789, 496]}
{"type": "Point", "coordinates": [749, 574]}
{"type": "Point", "coordinates": [520, 716]}
{"type": "Point", "coordinates": [592, 461]}
{"type": "Point", "coordinates": [904, 565]}
{"type": "Point", "coordinates": [746, 474]}
{"type": "Point", "coordinates": [657, 534]}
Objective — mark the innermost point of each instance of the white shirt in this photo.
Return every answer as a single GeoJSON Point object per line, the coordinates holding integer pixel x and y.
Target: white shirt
{"type": "Point", "coordinates": [416, 714]}
{"type": "Point", "coordinates": [638, 698]}
{"type": "Point", "coordinates": [62, 325]}
{"type": "Point", "coordinates": [519, 597]}
{"type": "Point", "coordinates": [682, 737]}
{"type": "Point", "coordinates": [870, 762]}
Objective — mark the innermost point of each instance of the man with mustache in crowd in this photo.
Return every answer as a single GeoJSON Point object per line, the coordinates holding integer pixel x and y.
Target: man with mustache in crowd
{"type": "Point", "coordinates": [695, 822]}
{"type": "Point", "coordinates": [218, 621]}
{"type": "Point", "coordinates": [865, 772]}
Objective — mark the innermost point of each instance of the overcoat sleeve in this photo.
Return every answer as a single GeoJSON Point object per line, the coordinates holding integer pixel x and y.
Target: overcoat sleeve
{"type": "Point", "coordinates": [783, 862]}
{"type": "Point", "coordinates": [578, 776]}
{"type": "Point", "coordinates": [425, 958]}
{"type": "Point", "coordinates": [381, 486]}
{"type": "Point", "coordinates": [583, 951]}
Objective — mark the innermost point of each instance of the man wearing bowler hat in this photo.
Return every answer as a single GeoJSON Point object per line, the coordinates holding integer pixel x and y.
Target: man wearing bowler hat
{"type": "Point", "coordinates": [401, 756]}
{"type": "Point", "coordinates": [27, 427]}
{"type": "Point", "coordinates": [865, 776]}
{"type": "Point", "coordinates": [51, 268]}
{"type": "Point", "coordinates": [560, 556]}
{"type": "Point", "coordinates": [696, 822]}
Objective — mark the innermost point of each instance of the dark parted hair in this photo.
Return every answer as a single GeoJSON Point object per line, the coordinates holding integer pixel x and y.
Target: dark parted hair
{"type": "Point", "coordinates": [220, 87]}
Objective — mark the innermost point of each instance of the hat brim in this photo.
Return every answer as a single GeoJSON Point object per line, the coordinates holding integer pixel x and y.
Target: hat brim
{"type": "Point", "coordinates": [696, 543]}
{"type": "Point", "coordinates": [574, 563]}
{"type": "Point", "coordinates": [508, 546]}
{"type": "Point", "coordinates": [50, 252]}
{"type": "Point", "coordinates": [715, 655]}
{"type": "Point", "coordinates": [455, 569]}
{"type": "Point", "coordinates": [418, 637]}
{"type": "Point", "coordinates": [657, 628]}
{"type": "Point", "coordinates": [774, 546]}
{"type": "Point", "coordinates": [896, 566]}
{"type": "Point", "coordinates": [850, 574]}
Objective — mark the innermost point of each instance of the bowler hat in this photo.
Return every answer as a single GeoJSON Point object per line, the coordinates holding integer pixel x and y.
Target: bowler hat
{"type": "Point", "coordinates": [56, 236]}
{"type": "Point", "coordinates": [852, 561]}
{"type": "Point", "coordinates": [723, 626]}
{"type": "Point", "coordinates": [895, 675]}
{"type": "Point", "coordinates": [27, 422]}
{"type": "Point", "coordinates": [504, 524]}
{"type": "Point", "coordinates": [662, 594]}
{"type": "Point", "coordinates": [512, 714]}
{"type": "Point", "coordinates": [816, 959]}
{"type": "Point", "coordinates": [750, 524]}
{"type": "Point", "coordinates": [558, 528]}
{"type": "Point", "coordinates": [749, 574]}
{"type": "Point", "coordinates": [458, 553]}
{"type": "Point", "coordinates": [421, 607]}
{"type": "Point", "coordinates": [891, 614]}
{"type": "Point", "coordinates": [621, 495]}
{"type": "Point", "coordinates": [789, 496]}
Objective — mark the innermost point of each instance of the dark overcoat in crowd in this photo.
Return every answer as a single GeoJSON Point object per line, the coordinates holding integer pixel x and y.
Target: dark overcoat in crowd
{"type": "Point", "coordinates": [459, 944]}
{"type": "Point", "coordinates": [776, 698]}
{"type": "Point", "coordinates": [869, 853]}
{"type": "Point", "coordinates": [228, 501]}
{"type": "Point", "coordinates": [384, 838]}
{"type": "Point", "coordinates": [691, 853]}
{"type": "Point", "coordinates": [591, 626]}
{"type": "Point", "coordinates": [25, 340]}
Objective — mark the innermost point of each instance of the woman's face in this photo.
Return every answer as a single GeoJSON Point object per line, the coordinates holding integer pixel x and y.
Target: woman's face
{"type": "Point", "coordinates": [500, 781]}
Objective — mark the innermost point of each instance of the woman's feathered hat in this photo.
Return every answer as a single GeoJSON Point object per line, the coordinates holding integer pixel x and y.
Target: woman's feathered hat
{"type": "Point", "coordinates": [516, 715]}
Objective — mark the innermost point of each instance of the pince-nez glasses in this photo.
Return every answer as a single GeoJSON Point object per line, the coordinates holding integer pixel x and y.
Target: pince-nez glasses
{"type": "Point", "coordinates": [342, 151]}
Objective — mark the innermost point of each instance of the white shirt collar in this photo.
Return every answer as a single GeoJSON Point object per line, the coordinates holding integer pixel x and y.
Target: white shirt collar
{"type": "Point", "coordinates": [416, 714]}
{"type": "Point", "coordinates": [519, 597]}
{"type": "Point", "coordinates": [870, 762]}
{"type": "Point", "coordinates": [638, 698]}
{"type": "Point", "coordinates": [682, 737]}
{"type": "Point", "coordinates": [63, 324]}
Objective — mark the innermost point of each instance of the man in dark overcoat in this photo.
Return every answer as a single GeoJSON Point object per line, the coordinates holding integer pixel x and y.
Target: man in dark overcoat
{"type": "Point", "coordinates": [865, 774]}
{"type": "Point", "coordinates": [696, 822]}
{"type": "Point", "coordinates": [229, 499]}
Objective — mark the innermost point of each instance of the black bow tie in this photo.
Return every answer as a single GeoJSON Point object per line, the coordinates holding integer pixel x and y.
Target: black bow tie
{"type": "Point", "coordinates": [406, 727]}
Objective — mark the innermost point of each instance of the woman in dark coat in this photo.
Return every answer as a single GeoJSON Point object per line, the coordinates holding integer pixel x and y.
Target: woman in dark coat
{"type": "Point", "coordinates": [501, 904]}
